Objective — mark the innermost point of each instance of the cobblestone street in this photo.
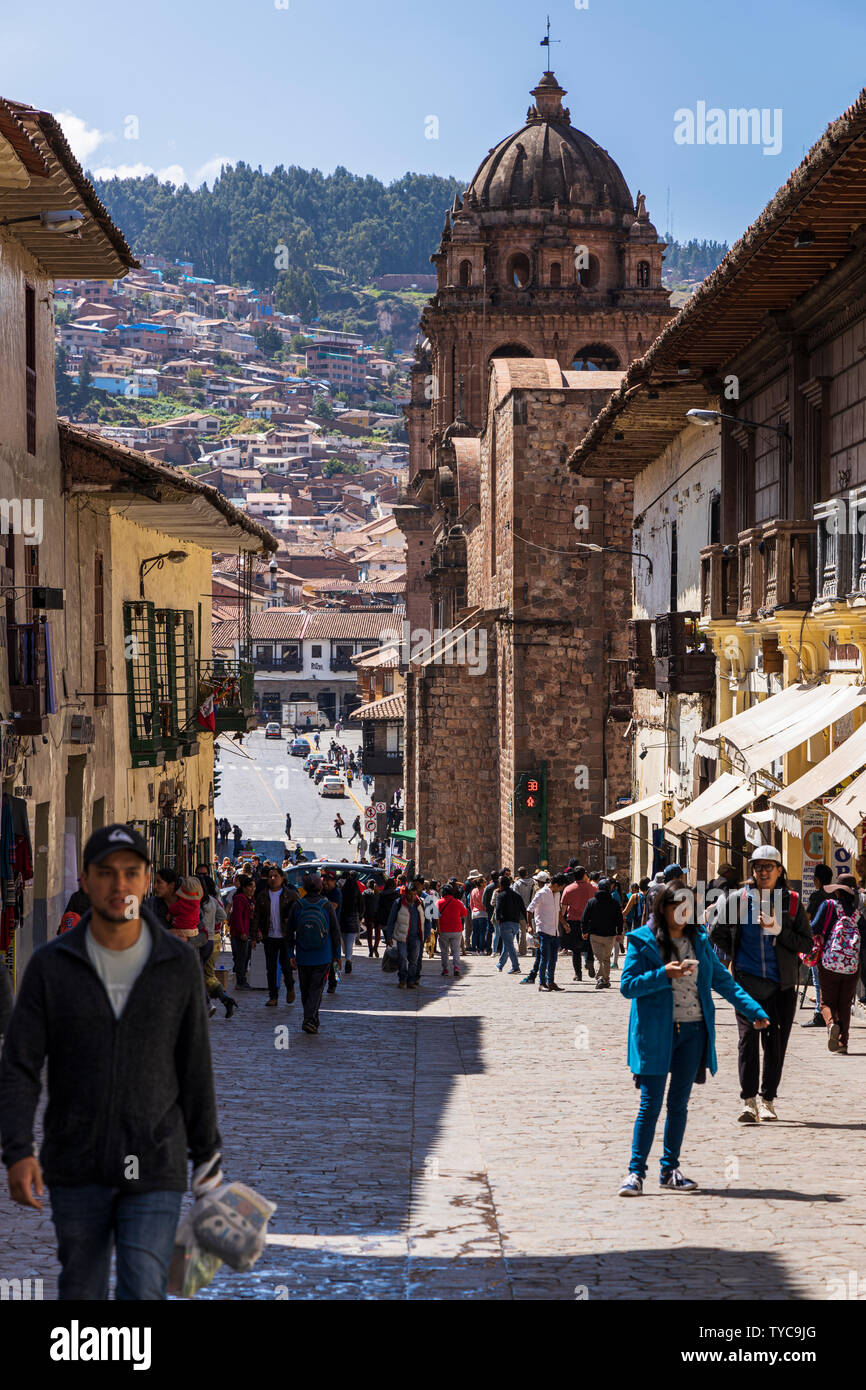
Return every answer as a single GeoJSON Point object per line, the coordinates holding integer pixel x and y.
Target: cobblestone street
{"type": "Point", "coordinates": [467, 1141]}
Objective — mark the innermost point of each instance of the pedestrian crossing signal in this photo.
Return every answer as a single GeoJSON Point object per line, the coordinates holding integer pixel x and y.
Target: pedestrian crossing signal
{"type": "Point", "coordinates": [530, 803]}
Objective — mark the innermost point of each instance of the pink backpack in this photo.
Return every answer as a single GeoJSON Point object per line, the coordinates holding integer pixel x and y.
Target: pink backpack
{"type": "Point", "coordinates": [841, 952]}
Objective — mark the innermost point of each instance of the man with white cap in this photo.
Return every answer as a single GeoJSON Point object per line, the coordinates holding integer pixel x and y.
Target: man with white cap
{"type": "Point", "coordinates": [762, 929]}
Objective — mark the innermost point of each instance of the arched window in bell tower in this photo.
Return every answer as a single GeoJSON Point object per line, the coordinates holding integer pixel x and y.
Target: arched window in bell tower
{"type": "Point", "coordinates": [595, 357]}
{"type": "Point", "coordinates": [643, 275]}
{"type": "Point", "coordinates": [590, 275]}
{"type": "Point", "coordinates": [519, 271]}
{"type": "Point", "coordinates": [556, 275]}
{"type": "Point", "coordinates": [465, 274]}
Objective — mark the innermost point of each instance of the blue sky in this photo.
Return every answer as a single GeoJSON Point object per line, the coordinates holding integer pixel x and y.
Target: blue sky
{"type": "Point", "coordinates": [325, 82]}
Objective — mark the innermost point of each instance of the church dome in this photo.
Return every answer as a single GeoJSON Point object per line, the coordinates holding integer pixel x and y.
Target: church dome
{"type": "Point", "coordinates": [549, 160]}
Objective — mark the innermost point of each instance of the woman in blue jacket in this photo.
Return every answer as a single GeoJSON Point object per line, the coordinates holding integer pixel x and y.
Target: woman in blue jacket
{"type": "Point", "coordinates": [669, 975]}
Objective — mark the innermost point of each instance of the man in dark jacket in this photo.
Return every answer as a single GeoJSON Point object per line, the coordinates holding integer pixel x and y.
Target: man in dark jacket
{"type": "Point", "coordinates": [762, 929]}
{"type": "Point", "coordinates": [115, 1006]}
{"type": "Point", "coordinates": [313, 942]}
{"type": "Point", "coordinates": [270, 926]}
{"type": "Point", "coordinates": [602, 923]}
{"type": "Point", "coordinates": [509, 911]}
{"type": "Point", "coordinates": [350, 915]}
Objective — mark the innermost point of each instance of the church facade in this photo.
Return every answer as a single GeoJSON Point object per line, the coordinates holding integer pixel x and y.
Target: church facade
{"type": "Point", "coordinates": [519, 574]}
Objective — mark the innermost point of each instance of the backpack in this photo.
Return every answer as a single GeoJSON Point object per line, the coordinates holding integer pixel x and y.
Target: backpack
{"type": "Point", "coordinates": [841, 954]}
{"type": "Point", "coordinates": [312, 924]}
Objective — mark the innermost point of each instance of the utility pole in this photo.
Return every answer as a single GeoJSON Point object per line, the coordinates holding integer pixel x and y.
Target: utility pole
{"type": "Point", "coordinates": [544, 815]}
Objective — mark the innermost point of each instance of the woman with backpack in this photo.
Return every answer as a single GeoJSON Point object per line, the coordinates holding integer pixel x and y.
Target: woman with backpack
{"type": "Point", "coordinates": [313, 945]}
{"type": "Point", "coordinates": [669, 975]}
{"type": "Point", "coordinates": [836, 930]}
{"type": "Point", "coordinates": [763, 929]}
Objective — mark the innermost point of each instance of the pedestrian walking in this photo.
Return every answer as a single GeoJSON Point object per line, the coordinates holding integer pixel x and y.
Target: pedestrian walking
{"type": "Point", "coordinates": [452, 912]}
{"type": "Point", "coordinates": [338, 825]}
{"type": "Point", "coordinates": [819, 895]}
{"type": "Point", "coordinates": [836, 931]}
{"type": "Point", "coordinates": [350, 916]}
{"type": "Point", "coordinates": [509, 911]}
{"type": "Point", "coordinates": [479, 916]}
{"type": "Point", "coordinates": [669, 975]}
{"type": "Point", "coordinates": [334, 895]}
{"type": "Point", "coordinates": [369, 905]}
{"type": "Point", "coordinates": [602, 922]}
{"type": "Point", "coordinates": [316, 739]}
{"type": "Point", "coordinates": [406, 926]}
{"type": "Point", "coordinates": [238, 839]}
{"type": "Point", "coordinates": [544, 908]}
{"type": "Point", "coordinates": [240, 928]}
{"type": "Point", "coordinates": [575, 896]}
{"type": "Point", "coordinates": [356, 829]}
{"type": "Point", "coordinates": [115, 1008]}
{"type": "Point", "coordinates": [523, 885]}
{"type": "Point", "coordinates": [763, 929]}
{"type": "Point", "coordinates": [270, 926]}
{"type": "Point", "coordinates": [288, 825]}
{"type": "Point", "coordinates": [313, 939]}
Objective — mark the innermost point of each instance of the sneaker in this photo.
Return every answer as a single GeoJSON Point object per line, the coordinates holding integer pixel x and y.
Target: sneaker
{"type": "Point", "coordinates": [528, 980]}
{"type": "Point", "coordinates": [230, 1005]}
{"type": "Point", "coordinates": [749, 1113]}
{"type": "Point", "coordinates": [843, 1050]}
{"type": "Point", "coordinates": [591, 971]}
{"type": "Point", "coordinates": [675, 1182]}
{"type": "Point", "coordinates": [833, 1037]}
{"type": "Point", "coordinates": [766, 1109]}
{"type": "Point", "coordinates": [816, 1021]}
{"type": "Point", "coordinates": [401, 984]}
{"type": "Point", "coordinates": [309, 1028]}
{"type": "Point", "coordinates": [632, 1186]}
{"type": "Point", "coordinates": [544, 987]}
{"type": "Point", "coordinates": [445, 971]}
{"type": "Point", "coordinates": [457, 973]}
{"type": "Point", "coordinates": [514, 972]}
{"type": "Point", "coordinates": [211, 1009]}
{"type": "Point", "coordinates": [578, 979]}
{"type": "Point", "coordinates": [270, 1003]}
{"type": "Point", "coordinates": [348, 967]}
{"type": "Point", "coordinates": [599, 984]}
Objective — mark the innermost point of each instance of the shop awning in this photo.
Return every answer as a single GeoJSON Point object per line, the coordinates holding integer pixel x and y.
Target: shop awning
{"type": "Point", "coordinates": [754, 825]}
{"type": "Point", "coordinates": [844, 761]}
{"type": "Point", "coordinates": [403, 834]}
{"type": "Point", "coordinates": [775, 726]}
{"type": "Point", "coordinates": [845, 812]}
{"type": "Point", "coordinates": [637, 808]}
{"type": "Point", "coordinates": [727, 796]}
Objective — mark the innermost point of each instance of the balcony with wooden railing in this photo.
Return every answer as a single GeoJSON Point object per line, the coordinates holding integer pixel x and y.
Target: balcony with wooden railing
{"type": "Point", "coordinates": [719, 583]}
{"type": "Point", "coordinates": [788, 572]}
{"type": "Point", "coordinates": [28, 677]}
{"type": "Point", "coordinates": [232, 685]}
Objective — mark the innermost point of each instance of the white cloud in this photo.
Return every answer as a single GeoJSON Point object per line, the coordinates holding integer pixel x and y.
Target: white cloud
{"type": "Point", "coordinates": [211, 169]}
{"type": "Point", "coordinates": [83, 139]}
{"type": "Point", "coordinates": [172, 173]}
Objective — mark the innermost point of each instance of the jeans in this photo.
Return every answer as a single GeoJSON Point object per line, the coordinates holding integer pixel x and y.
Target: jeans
{"type": "Point", "coordinates": [549, 952]}
{"type": "Point", "coordinates": [816, 981]}
{"type": "Point", "coordinates": [276, 954]}
{"type": "Point", "coordinates": [507, 933]}
{"type": "Point", "coordinates": [409, 959]}
{"type": "Point", "coordinates": [349, 940]}
{"type": "Point", "coordinates": [89, 1220]}
{"type": "Point", "coordinates": [479, 934]}
{"type": "Point", "coordinates": [240, 957]}
{"type": "Point", "coordinates": [449, 944]}
{"type": "Point", "coordinates": [837, 996]}
{"type": "Point", "coordinates": [688, 1049]}
{"type": "Point", "coordinates": [311, 981]}
{"type": "Point", "coordinates": [773, 1042]}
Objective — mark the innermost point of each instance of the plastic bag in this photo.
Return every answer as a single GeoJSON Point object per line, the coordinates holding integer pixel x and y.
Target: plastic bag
{"type": "Point", "coordinates": [231, 1224]}
{"type": "Point", "coordinates": [192, 1267]}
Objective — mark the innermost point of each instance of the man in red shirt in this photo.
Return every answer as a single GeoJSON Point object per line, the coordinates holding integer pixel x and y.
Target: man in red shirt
{"type": "Point", "coordinates": [451, 914]}
{"type": "Point", "coordinates": [574, 899]}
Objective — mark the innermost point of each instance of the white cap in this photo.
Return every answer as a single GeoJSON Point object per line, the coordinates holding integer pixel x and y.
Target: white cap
{"type": "Point", "coordinates": [542, 877]}
{"type": "Point", "coordinates": [766, 852]}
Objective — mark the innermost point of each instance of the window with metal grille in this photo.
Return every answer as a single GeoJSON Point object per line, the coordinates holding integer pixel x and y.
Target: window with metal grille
{"type": "Point", "coordinates": [31, 579]}
{"type": "Point", "coordinates": [100, 661]}
{"type": "Point", "coordinates": [175, 673]}
{"type": "Point", "coordinates": [141, 677]}
{"type": "Point", "coordinates": [30, 365]}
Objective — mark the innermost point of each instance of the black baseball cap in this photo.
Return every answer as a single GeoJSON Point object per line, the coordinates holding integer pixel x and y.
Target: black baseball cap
{"type": "Point", "coordinates": [111, 838]}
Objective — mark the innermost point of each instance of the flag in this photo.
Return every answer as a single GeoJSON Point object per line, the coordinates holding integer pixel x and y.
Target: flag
{"type": "Point", "coordinates": [205, 716]}
{"type": "Point", "coordinates": [545, 43]}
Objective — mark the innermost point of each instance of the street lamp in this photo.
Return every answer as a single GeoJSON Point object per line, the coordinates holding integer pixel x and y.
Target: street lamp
{"type": "Point", "coordinates": [709, 417]}
{"type": "Point", "coordinates": [64, 220]}
{"type": "Point", "coordinates": [157, 562]}
{"type": "Point", "coordinates": [616, 550]}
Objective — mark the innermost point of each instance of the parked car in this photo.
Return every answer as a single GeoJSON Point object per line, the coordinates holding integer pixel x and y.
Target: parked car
{"type": "Point", "coordinates": [333, 786]}
{"type": "Point", "coordinates": [273, 730]}
{"type": "Point", "coordinates": [366, 872]}
{"type": "Point", "coordinates": [299, 748]}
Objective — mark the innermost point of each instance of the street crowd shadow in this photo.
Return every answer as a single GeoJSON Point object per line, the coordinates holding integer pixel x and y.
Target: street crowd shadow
{"type": "Point", "coordinates": [771, 1194]}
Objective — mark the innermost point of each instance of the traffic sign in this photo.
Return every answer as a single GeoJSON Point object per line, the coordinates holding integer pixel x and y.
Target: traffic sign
{"type": "Point", "coordinates": [380, 808]}
{"type": "Point", "coordinates": [370, 810]}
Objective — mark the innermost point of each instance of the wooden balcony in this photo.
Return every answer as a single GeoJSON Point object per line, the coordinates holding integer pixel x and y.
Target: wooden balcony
{"type": "Point", "coordinates": [719, 581]}
{"type": "Point", "coordinates": [232, 686]}
{"type": "Point", "coordinates": [683, 665]}
{"type": "Point", "coordinates": [28, 677]}
{"type": "Point", "coordinates": [641, 668]}
{"type": "Point", "coordinates": [750, 574]}
{"type": "Point", "coordinates": [787, 551]}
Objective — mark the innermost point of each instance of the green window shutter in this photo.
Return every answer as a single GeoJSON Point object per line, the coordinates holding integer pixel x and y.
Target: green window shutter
{"type": "Point", "coordinates": [141, 676]}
